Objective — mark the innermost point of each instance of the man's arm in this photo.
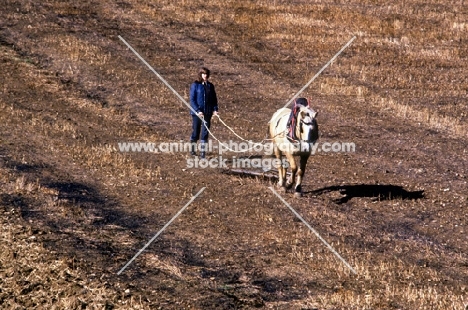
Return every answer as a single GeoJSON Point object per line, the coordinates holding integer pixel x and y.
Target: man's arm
{"type": "Point", "coordinates": [193, 98]}
{"type": "Point", "coordinates": [215, 98]}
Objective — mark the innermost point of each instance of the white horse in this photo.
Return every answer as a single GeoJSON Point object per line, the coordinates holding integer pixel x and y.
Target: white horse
{"type": "Point", "coordinates": [306, 133]}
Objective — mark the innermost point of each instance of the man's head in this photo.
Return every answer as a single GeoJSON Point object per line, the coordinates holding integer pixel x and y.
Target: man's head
{"type": "Point", "coordinates": [203, 74]}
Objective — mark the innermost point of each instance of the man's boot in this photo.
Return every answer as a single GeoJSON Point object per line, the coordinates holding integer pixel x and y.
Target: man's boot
{"type": "Point", "coordinates": [193, 147]}
{"type": "Point", "coordinates": [202, 150]}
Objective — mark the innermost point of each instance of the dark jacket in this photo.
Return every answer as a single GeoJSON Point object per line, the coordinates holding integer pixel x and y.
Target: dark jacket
{"type": "Point", "coordinates": [203, 98]}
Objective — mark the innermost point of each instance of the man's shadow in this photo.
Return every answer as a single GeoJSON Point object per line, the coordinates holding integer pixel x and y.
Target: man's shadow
{"type": "Point", "coordinates": [377, 192]}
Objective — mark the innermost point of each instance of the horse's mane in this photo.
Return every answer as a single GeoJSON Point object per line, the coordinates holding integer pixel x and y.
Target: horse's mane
{"type": "Point", "coordinates": [302, 101]}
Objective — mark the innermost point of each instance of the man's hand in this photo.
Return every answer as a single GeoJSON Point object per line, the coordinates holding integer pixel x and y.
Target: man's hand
{"type": "Point", "coordinates": [215, 113]}
{"type": "Point", "coordinates": [200, 114]}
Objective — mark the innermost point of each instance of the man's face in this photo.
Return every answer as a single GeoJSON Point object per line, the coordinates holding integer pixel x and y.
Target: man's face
{"type": "Point", "coordinates": [205, 76]}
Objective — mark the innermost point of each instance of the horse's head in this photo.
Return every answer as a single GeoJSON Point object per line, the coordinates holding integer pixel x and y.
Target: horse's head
{"type": "Point", "coordinates": [307, 127]}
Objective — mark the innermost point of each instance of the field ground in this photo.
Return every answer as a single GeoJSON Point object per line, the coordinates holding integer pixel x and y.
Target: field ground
{"type": "Point", "coordinates": [74, 209]}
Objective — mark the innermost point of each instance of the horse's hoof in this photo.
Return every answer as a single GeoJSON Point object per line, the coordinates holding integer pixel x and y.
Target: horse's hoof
{"type": "Point", "coordinates": [297, 194]}
{"type": "Point", "coordinates": [289, 185]}
{"type": "Point", "coordinates": [281, 189]}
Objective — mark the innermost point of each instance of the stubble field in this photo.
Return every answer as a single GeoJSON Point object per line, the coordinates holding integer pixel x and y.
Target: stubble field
{"type": "Point", "coordinates": [74, 209]}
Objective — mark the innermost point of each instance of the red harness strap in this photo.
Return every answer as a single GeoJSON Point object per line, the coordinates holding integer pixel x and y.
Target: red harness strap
{"type": "Point", "coordinates": [293, 120]}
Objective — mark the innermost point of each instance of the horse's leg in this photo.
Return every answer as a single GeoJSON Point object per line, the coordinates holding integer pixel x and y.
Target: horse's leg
{"type": "Point", "coordinates": [293, 165]}
{"type": "Point", "coordinates": [281, 169]}
{"type": "Point", "coordinates": [300, 174]}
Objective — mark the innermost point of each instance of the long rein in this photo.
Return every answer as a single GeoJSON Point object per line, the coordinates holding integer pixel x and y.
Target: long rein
{"type": "Point", "coordinates": [226, 146]}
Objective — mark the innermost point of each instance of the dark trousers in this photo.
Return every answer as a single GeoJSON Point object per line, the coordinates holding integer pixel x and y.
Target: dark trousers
{"type": "Point", "coordinates": [197, 128]}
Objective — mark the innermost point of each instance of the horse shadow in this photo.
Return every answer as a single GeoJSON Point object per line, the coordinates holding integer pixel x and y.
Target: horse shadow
{"type": "Point", "coordinates": [375, 191]}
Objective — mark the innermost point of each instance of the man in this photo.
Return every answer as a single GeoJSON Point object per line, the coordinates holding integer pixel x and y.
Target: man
{"type": "Point", "coordinates": [204, 103]}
